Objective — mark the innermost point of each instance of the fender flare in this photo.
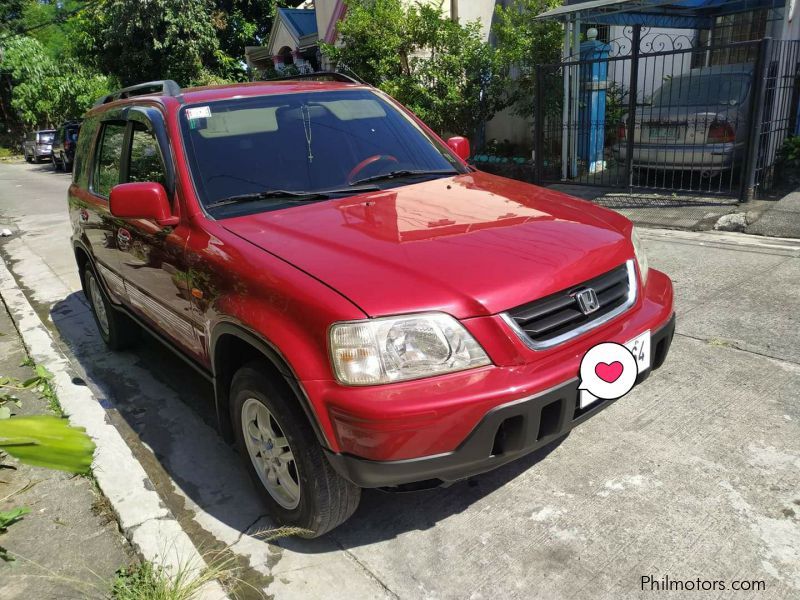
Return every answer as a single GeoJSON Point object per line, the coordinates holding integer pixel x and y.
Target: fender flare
{"type": "Point", "coordinates": [272, 354]}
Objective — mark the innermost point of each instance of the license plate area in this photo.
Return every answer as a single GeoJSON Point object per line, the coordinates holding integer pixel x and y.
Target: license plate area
{"type": "Point", "coordinates": [664, 132]}
{"type": "Point", "coordinates": [640, 348]}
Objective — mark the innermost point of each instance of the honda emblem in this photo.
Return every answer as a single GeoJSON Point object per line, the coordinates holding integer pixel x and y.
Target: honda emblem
{"type": "Point", "coordinates": [587, 301]}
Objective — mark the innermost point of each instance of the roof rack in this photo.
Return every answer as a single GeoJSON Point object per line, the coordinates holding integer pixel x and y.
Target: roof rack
{"type": "Point", "coordinates": [321, 76]}
{"type": "Point", "coordinates": [166, 87]}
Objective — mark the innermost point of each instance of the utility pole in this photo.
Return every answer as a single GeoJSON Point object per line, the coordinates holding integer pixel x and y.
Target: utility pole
{"type": "Point", "coordinates": [454, 11]}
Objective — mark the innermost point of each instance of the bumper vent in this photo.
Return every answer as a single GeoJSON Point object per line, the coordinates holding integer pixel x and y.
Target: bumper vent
{"type": "Point", "coordinates": [558, 317]}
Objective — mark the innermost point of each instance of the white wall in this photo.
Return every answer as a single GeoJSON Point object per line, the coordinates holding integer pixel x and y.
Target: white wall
{"type": "Point", "coordinates": [507, 126]}
{"type": "Point", "coordinates": [283, 37]}
{"type": "Point", "coordinates": [475, 10]}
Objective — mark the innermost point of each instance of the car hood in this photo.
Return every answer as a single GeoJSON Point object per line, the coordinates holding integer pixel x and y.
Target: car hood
{"type": "Point", "coordinates": [469, 245]}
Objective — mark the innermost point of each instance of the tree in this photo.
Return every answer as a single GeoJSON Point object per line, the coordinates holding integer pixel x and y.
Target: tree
{"type": "Point", "coordinates": [194, 42]}
{"type": "Point", "coordinates": [48, 21]}
{"type": "Point", "coordinates": [441, 70]}
{"type": "Point", "coordinates": [525, 44]}
{"type": "Point", "coordinates": [46, 92]}
{"type": "Point", "coordinates": [142, 40]}
{"type": "Point", "coordinates": [11, 15]}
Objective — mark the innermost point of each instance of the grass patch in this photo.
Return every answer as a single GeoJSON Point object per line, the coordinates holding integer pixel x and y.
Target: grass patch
{"type": "Point", "coordinates": [147, 581]}
{"type": "Point", "coordinates": [8, 153]}
{"type": "Point", "coordinates": [41, 382]}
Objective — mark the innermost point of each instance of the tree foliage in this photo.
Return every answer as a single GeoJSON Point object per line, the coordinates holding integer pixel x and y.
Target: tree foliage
{"type": "Point", "coordinates": [525, 43]}
{"type": "Point", "coordinates": [59, 56]}
{"type": "Point", "coordinates": [441, 70]}
{"type": "Point", "coordinates": [191, 41]}
{"type": "Point", "coordinates": [44, 91]}
{"type": "Point", "coordinates": [143, 40]}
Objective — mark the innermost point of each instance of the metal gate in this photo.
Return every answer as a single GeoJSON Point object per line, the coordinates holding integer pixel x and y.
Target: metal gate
{"type": "Point", "coordinates": [653, 112]}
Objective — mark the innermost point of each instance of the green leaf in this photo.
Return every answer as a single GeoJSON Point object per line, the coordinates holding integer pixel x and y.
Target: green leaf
{"type": "Point", "coordinates": [5, 412]}
{"type": "Point", "coordinates": [47, 441]}
{"type": "Point", "coordinates": [29, 383]}
{"type": "Point", "coordinates": [9, 517]}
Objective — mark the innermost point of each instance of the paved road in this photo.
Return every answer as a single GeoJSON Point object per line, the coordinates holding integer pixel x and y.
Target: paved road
{"type": "Point", "coordinates": [695, 474]}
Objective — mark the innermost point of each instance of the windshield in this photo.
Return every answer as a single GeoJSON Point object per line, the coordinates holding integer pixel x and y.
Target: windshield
{"type": "Point", "coordinates": [46, 137]}
{"type": "Point", "coordinates": [313, 143]}
{"type": "Point", "coordinates": [703, 90]}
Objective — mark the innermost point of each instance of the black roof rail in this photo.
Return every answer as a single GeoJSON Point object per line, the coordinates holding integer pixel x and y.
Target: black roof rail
{"type": "Point", "coordinates": [166, 87]}
{"type": "Point", "coordinates": [321, 76]}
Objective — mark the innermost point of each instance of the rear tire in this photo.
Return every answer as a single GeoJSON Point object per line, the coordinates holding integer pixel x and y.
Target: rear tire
{"type": "Point", "coordinates": [117, 329]}
{"type": "Point", "coordinates": [66, 164]}
{"type": "Point", "coordinates": [276, 441]}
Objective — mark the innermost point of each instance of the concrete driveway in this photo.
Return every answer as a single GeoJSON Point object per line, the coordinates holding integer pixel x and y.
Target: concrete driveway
{"type": "Point", "coordinates": [693, 477]}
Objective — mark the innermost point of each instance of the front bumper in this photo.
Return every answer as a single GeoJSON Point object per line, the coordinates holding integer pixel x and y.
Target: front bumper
{"type": "Point", "coordinates": [505, 433]}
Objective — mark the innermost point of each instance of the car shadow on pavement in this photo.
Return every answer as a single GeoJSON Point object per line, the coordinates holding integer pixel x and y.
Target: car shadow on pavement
{"type": "Point", "coordinates": [167, 408]}
{"type": "Point", "coordinates": [46, 168]}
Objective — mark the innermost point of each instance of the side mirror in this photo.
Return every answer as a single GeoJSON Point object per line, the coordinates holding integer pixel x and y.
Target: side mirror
{"type": "Point", "coordinates": [459, 145]}
{"type": "Point", "coordinates": [146, 200]}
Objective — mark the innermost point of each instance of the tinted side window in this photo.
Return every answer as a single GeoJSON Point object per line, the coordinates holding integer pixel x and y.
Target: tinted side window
{"type": "Point", "coordinates": [83, 153]}
{"type": "Point", "coordinates": [108, 157]}
{"type": "Point", "coordinates": [145, 163]}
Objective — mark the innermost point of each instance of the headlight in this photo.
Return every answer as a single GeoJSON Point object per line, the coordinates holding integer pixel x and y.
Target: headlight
{"type": "Point", "coordinates": [376, 351]}
{"type": "Point", "coordinates": [641, 257]}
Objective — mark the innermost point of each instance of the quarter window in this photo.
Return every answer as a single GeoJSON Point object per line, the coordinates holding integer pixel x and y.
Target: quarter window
{"type": "Point", "coordinates": [107, 166]}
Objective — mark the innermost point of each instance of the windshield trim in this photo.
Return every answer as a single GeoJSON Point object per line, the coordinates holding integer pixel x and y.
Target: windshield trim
{"type": "Point", "coordinates": [458, 165]}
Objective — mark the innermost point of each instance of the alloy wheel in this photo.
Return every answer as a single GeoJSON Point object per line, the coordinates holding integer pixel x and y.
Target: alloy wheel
{"type": "Point", "coordinates": [270, 453]}
{"type": "Point", "coordinates": [98, 303]}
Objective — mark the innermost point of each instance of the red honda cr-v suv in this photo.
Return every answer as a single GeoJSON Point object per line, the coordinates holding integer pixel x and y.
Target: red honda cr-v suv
{"type": "Point", "coordinates": [372, 311]}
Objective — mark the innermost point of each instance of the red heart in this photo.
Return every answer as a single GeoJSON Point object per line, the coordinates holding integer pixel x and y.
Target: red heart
{"type": "Point", "coordinates": [608, 372]}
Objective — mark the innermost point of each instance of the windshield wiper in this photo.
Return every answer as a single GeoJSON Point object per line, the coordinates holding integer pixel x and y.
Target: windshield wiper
{"type": "Point", "coordinates": [290, 196]}
{"type": "Point", "coordinates": [405, 173]}
{"type": "Point", "coordinates": [268, 195]}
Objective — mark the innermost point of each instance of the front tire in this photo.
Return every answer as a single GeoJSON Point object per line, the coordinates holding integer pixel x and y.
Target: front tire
{"type": "Point", "coordinates": [117, 329]}
{"type": "Point", "coordinates": [55, 163]}
{"type": "Point", "coordinates": [284, 457]}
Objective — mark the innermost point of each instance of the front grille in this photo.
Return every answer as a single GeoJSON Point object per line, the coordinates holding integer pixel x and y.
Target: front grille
{"type": "Point", "coordinates": [557, 317]}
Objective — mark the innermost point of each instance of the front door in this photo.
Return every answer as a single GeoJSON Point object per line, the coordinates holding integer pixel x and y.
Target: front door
{"type": "Point", "coordinates": [105, 234]}
{"type": "Point", "coordinates": [153, 263]}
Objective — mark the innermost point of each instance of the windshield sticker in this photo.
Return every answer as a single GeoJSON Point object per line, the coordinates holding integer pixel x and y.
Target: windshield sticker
{"type": "Point", "coordinates": [198, 112]}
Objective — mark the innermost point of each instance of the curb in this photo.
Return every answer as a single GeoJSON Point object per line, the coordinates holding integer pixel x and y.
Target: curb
{"type": "Point", "coordinates": [149, 526]}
